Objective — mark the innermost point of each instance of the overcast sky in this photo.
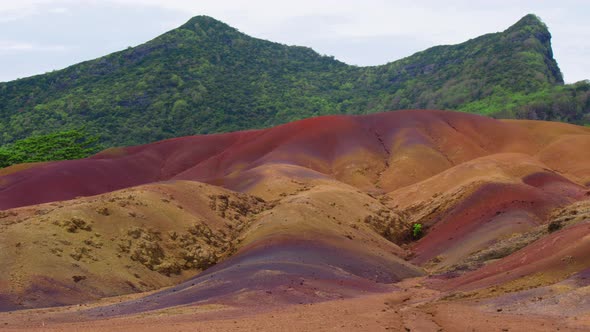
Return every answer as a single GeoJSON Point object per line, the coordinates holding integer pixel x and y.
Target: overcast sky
{"type": "Point", "coordinates": [38, 36]}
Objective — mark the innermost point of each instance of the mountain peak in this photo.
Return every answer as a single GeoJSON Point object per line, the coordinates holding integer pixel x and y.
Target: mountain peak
{"type": "Point", "coordinates": [530, 22]}
{"type": "Point", "coordinates": [532, 35]}
{"type": "Point", "coordinates": [207, 76]}
{"type": "Point", "coordinates": [531, 19]}
{"type": "Point", "coordinates": [201, 22]}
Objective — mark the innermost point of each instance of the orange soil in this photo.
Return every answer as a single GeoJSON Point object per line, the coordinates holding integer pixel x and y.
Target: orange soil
{"type": "Point", "coordinates": [341, 193]}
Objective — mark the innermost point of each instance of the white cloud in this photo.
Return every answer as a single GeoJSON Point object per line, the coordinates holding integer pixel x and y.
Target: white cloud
{"type": "Point", "coordinates": [15, 46]}
{"type": "Point", "coordinates": [59, 10]}
{"type": "Point", "coordinates": [16, 10]}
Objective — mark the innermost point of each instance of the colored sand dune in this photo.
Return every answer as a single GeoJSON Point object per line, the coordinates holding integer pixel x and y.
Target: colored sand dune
{"type": "Point", "coordinates": [315, 211]}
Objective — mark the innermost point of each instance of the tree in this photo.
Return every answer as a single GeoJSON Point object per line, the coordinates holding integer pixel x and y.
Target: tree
{"type": "Point", "coordinates": [4, 157]}
{"type": "Point", "coordinates": [63, 145]}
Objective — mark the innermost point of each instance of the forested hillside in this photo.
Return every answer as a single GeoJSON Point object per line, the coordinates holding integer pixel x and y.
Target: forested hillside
{"type": "Point", "coordinates": [206, 77]}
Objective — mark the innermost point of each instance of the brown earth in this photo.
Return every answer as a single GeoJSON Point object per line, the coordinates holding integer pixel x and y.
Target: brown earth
{"type": "Point", "coordinates": [308, 226]}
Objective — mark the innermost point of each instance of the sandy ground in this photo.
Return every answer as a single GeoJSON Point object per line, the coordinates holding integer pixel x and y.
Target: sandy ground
{"type": "Point", "coordinates": [336, 209]}
{"type": "Point", "coordinates": [413, 308]}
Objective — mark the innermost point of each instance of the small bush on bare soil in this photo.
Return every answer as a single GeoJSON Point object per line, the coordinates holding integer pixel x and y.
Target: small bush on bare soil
{"type": "Point", "coordinates": [103, 211]}
{"type": "Point", "coordinates": [74, 225]}
{"type": "Point", "coordinates": [554, 226]}
{"type": "Point", "coordinates": [417, 231]}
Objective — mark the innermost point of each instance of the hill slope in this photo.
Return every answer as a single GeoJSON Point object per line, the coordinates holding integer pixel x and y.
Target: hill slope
{"type": "Point", "coordinates": [207, 77]}
{"type": "Point", "coordinates": [318, 210]}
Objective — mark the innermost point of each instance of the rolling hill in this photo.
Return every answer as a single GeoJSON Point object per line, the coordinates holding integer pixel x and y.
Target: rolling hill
{"type": "Point", "coordinates": [318, 212]}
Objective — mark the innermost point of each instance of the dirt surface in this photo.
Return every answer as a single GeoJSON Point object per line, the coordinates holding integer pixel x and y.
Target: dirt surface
{"type": "Point", "coordinates": [384, 151]}
{"type": "Point", "coordinates": [307, 226]}
{"type": "Point", "coordinates": [412, 307]}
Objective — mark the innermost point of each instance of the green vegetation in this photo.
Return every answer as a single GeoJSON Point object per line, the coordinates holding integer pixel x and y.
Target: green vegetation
{"type": "Point", "coordinates": [207, 77]}
{"type": "Point", "coordinates": [416, 231]}
{"type": "Point", "coordinates": [567, 103]}
{"type": "Point", "coordinates": [64, 145]}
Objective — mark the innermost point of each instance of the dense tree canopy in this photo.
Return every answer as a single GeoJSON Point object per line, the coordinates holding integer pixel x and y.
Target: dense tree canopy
{"type": "Point", "coordinates": [64, 145]}
{"type": "Point", "coordinates": [207, 77]}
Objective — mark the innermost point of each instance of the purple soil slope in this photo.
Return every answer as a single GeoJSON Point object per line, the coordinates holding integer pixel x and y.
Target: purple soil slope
{"type": "Point", "coordinates": [432, 141]}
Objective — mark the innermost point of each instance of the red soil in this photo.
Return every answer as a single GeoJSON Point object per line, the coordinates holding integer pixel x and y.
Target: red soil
{"type": "Point", "coordinates": [485, 179]}
{"type": "Point", "coordinates": [537, 199]}
{"type": "Point", "coordinates": [416, 144]}
{"type": "Point", "coordinates": [554, 257]}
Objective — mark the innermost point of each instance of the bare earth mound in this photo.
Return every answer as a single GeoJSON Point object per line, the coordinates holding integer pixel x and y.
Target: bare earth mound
{"type": "Point", "coordinates": [307, 226]}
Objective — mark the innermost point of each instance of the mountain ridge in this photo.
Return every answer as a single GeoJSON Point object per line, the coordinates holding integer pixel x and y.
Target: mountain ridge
{"type": "Point", "coordinates": [206, 77]}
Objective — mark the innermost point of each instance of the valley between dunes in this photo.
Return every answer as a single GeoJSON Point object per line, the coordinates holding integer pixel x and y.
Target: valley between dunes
{"type": "Point", "coordinates": [307, 226]}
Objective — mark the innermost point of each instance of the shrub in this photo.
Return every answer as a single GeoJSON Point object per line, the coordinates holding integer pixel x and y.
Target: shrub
{"type": "Point", "coordinates": [554, 226]}
{"type": "Point", "coordinates": [417, 231]}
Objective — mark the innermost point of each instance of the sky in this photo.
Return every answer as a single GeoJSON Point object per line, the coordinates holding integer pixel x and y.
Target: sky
{"type": "Point", "coordinates": [38, 36]}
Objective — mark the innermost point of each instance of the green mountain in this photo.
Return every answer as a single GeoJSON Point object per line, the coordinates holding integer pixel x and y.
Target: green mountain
{"type": "Point", "coordinates": [206, 77]}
